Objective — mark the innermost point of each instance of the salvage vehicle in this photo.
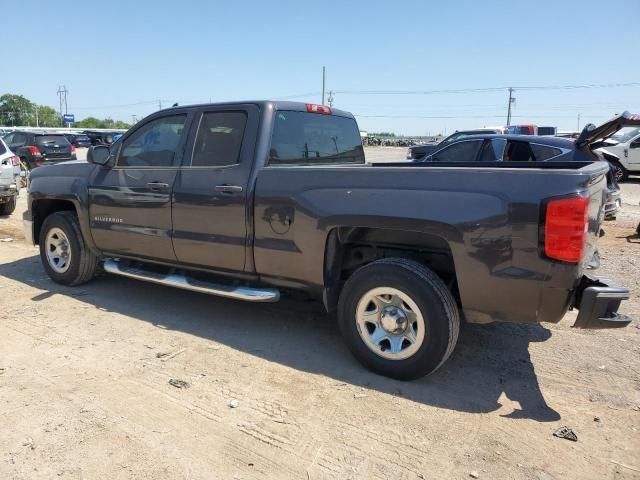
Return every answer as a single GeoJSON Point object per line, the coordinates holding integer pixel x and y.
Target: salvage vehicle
{"type": "Point", "coordinates": [9, 179]}
{"type": "Point", "coordinates": [418, 152]}
{"type": "Point", "coordinates": [527, 148]}
{"type": "Point", "coordinates": [35, 148]}
{"type": "Point", "coordinates": [623, 151]}
{"type": "Point", "coordinates": [241, 200]}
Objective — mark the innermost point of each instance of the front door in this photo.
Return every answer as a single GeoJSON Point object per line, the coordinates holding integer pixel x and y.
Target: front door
{"type": "Point", "coordinates": [210, 194]}
{"type": "Point", "coordinates": [130, 204]}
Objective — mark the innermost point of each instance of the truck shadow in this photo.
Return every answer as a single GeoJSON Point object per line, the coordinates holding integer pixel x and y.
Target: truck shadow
{"type": "Point", "coordinates": [490, 361]}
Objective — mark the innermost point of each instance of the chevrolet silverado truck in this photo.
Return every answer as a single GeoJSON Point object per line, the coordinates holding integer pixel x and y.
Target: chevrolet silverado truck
{"type": "Point", "coordinates": [243, 200]}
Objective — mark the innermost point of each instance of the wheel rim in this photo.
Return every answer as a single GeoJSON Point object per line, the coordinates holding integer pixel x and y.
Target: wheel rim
{"type": "Point", "coordinates": [390, 323]}
{"type": "Point", "coordinates": [58, 250]}
{"type": "Point", "coordinates": [619, 173]}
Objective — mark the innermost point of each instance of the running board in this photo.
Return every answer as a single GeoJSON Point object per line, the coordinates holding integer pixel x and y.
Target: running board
{"type": "Point", "coordinates": [181, 281]}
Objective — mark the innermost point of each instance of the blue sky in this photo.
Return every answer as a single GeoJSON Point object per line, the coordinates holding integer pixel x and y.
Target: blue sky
{"type": "Point", "coordinates": [119, 58]}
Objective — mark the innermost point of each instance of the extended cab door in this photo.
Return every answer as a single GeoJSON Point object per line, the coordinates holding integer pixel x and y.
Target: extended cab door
{"type": "Point", "coordinates": [130, 203]}
{"type": "Point", "coordinates": [211, 196]}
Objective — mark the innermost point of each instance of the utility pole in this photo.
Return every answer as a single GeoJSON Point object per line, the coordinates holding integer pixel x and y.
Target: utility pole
{"type": "Point", "coordinates": [62, 93]}
{"type": "Point", "coordinates": [37, 122]}
{"type": "Point", "coordinates": [330, 99]}
{"type": "Point", "coordinates": [578, 129]}
{"type": "Point", "coordinates": [159, 104]}
{"type": "Point", "coordinates": [323, 82]}
{"type": "Point", "coordinates": [511, 100]}
{"type": "Point", "coordinates": [134, 119]}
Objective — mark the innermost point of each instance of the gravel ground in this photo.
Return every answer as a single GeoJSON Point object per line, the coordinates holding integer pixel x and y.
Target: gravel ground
{"type": "Point", "coordinates": [90, 387]}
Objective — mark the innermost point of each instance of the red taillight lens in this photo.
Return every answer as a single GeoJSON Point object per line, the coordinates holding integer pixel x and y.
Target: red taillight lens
{"type": "Point", "coordinates": [33, 150]}
{"type": "Point", "coordinates": [73, 149]}
{"type": "Point", "coordinates": [565, 228]}
{"type": "Point", "coordinates": [15, 161]}
{"type": "Point", "coordinates": [313, 108]}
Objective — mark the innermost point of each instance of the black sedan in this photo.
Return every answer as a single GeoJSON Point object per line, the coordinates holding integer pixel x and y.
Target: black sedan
{"type": "Point", "coordinates": [524, 148]}
{"type": "Point", "coordinates": [418, 152]}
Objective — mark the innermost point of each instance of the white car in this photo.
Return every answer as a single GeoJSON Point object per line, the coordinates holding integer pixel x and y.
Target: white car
{"type": "Point", "coordinates": [9, 179]}
{"type": "Point", "coordinates": [623, 151]}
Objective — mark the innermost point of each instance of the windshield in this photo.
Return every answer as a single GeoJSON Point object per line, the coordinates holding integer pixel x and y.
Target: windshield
{"type": "Point", "coordinates": [625, 134]}
{"type": "Point", "coordinates": [51, 139]}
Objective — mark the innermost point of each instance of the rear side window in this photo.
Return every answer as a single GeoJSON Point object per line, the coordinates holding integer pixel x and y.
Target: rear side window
{"type": "Point", "coordinates": [51, 140]}
{"type": "Point", "coordinates": [493, 150]}
{"type": "Point", "coordinates": [517, 152]}
{"type": "Point", "coordinates": [3, 149]}
{"type": "Point", "coordinates": [465, 151]}
{"type": "Point", "coordinates": [302, 138]}
{"type": "Point", "coordinates": [544, 152]}
{"type": "Point", "coordinates": [219, 139]}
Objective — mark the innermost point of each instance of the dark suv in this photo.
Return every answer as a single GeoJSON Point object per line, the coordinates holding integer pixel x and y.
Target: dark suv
{"type": "Point", "coordinates": [35, 148]}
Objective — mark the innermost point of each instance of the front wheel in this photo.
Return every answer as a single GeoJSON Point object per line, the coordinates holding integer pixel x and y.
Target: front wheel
{"type": "Point", "coordinates": [63, 251]}
{"type": "Point", "coordinates": [398, 318]}
{"type": "Point", "coordinates": [621, 173]}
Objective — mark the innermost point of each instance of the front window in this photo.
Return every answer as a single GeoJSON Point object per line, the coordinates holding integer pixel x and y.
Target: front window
{"type": "Point", "coordinates": [465, 151]}
{"type": "Point", "coordinates": [154, 144]}
{"type": "Point", "coordinates": [309, 138]}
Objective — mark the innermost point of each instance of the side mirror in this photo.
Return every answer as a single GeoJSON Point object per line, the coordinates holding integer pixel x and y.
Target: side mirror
{"type": "Point", "coordinates": [99, 154]}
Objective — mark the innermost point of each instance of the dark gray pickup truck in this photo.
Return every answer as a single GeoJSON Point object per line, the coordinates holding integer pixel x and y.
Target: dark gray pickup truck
{"type": "Point", "coordinates": [243, 199]}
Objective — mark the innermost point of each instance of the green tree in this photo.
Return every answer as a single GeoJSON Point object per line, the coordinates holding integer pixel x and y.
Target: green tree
{"type": "Point", "coordinates": [47, 116]}
{"type": "Point", "coordinates": [16, 110]}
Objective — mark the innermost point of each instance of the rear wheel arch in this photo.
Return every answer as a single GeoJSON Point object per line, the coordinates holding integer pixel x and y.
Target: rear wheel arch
{"type": "Point", "coordinates": [349, 248]}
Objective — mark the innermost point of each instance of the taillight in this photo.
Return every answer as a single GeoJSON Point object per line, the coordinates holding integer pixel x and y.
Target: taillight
{"type": "Point", "coordinates": [33, 150]}
{"type": "Point", "coordinates": [565, 228]}
{"type": "Point", "coordinates": [313, 108]}
{"type": "Point", "coordinates": [15, 161]}
{"type": "Point", "coordinates": [73, 148]}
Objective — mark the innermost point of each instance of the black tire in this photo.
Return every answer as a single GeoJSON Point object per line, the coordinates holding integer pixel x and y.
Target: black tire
{"type": "Point", "coordinates": [427, 291]}
{"type": "Point", "coordinates": [83, 264]}
{"type": "Point", "coordinates": [620, 173]}
{"type": "Point", "coordinates": [8, 207]}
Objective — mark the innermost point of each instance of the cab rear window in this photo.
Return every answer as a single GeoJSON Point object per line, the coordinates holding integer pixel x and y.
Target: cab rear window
{"type": "Point", "coordinates": [301, 138]}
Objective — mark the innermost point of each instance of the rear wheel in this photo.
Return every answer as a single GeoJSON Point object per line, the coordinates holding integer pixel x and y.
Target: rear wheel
{"type": "Point", "coordinates": [63, 251]}
{"type": "Point", "coordinates": [398, 318]}
{"type": "Point", "coordinates": [8, 207]}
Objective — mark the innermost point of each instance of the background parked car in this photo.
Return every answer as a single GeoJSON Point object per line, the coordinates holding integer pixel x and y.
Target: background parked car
{"type": "Point", "coordinates": [623, 151]}
{"type": "Point", "coordinates": [418, 152]}
{"type": "Point", "coordinates": [78, 139]}
{"type": "Point", "coordinates": [9, 179]}
{"type": "Point", "coordinates": [101, 138]}
{"type": "Point", "coordinates": [524, 148]}
{"type": "Point", "coordinates": [35, 149]}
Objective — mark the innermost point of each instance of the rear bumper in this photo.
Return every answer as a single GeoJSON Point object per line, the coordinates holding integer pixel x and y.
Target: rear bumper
{"type": "Point", "coordinates": [598, 300]}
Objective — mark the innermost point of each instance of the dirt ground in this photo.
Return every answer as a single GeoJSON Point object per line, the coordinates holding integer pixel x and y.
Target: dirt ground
{"type": "Point", "coordinates": [273, 393]}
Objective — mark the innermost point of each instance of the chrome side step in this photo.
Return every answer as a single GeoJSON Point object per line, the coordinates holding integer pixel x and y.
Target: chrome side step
{"type": "Point", "coordinates": [186, 283]}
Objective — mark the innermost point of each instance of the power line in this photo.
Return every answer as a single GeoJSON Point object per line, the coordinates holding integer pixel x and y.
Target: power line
{"type": "Point", "coordinates": [486, 89]}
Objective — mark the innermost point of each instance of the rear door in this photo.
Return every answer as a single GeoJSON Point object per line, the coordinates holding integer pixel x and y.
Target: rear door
{"type": "Point", "coordinates": [130, 204]}
{"type": "Point", "coordinates": [210, 196]}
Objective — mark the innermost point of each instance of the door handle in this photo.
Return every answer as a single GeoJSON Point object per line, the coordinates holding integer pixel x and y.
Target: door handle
{"type": "Point", "coordinates": [157, 186]}
{"type": "Point", "coordinates": [228, 188]}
